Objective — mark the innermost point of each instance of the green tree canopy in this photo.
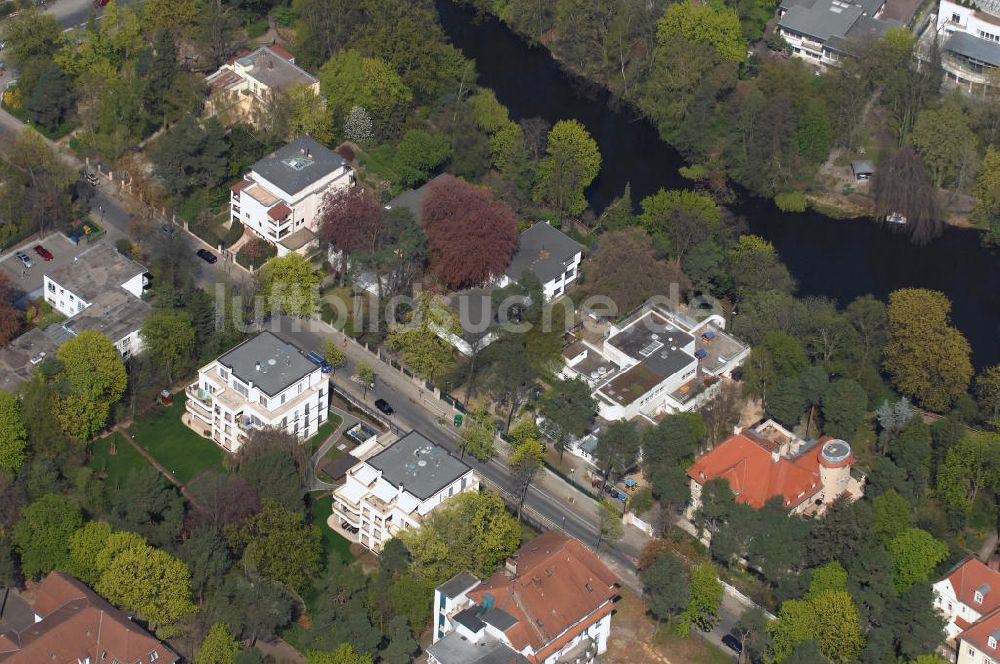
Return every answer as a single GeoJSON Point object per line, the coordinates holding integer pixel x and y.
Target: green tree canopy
{"type": "Point", "coordinates": [95, 378]}
{"type": "Point", "coordinates": [42, 536]}
{"type": "Point", "coordinates": [711, 23]}
{"type": "Point", "coordinates": [350, 79]}
{"type": "Point", "coordinates": [668, 587]}
{"type": "Point", "coordinates": [168, 338]}
{"type": "Point", "coordinates": [219, 647]}
{"type": "Point", "coordinates": [844, 407]}
{"type": "Point", "coordinates": [830, 619]}
{"type": "Point", "coordinates": [927, 358]}
{"type": "Point", "coordinates": [289, 285]}
{"type": "Point", "coordinates": [278, 545]}
{"type": "Point", "coordinates": [13, 434]}
{"type": "Point", "coordinates": [571, 163]}
{"type": "Point", "coordinates": [915, 555]}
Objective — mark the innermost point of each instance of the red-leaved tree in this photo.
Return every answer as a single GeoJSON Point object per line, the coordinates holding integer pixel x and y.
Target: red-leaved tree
{"type": "Point", "coordinates": [11, 319]}
{"type": "Point", "coordinates": [351, 221]}
{"type": "Point", "coordinates": [471, 235]}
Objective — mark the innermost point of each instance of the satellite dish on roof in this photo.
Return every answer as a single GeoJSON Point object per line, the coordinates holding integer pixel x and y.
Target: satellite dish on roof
{"type": "Point", "coordinates": [271, 362]}
{"type": "Point", "coordinates": [421, 463]}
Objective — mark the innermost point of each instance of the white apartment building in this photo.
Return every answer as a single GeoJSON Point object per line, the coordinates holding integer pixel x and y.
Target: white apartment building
{"type": "Point", "coordinates": [280, 199]}
{"type": "Point", "coordinates": [656, 362]}
{"type": "Point", "coordinates": [395, 489]}
{"type": "Point", "coordinates": [101, 290]}
{"type": "Point", "coordinates": [969, 36]}
{"type": "Point", "coordinates": [553, 256]}
{"type": "Point", "coordinates": [240, 88]}
{"type": "Point", "coordinates": [263, 382]}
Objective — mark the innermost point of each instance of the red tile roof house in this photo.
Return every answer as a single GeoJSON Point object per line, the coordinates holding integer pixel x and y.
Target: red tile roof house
{"type": "Point", "coordinates": [980, 643]}
{"type": "Point", "coordinates": [552, 603]}
{"type": "Point", "coordinates": [70, 624]}
{"type": "Point", "coordinates": [770, 461]}
{"type": "Point", "coordinates": [968, 592]}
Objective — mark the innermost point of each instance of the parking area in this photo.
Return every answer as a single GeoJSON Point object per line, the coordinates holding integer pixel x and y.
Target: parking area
{"type": "Point", "coordinates": [28, 281]}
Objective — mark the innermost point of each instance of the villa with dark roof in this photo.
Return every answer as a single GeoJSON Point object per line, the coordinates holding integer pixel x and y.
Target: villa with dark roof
{"type": "Point", "coordinates": [550, 254]}
{"type": "Point", "coordinates": [68, 623]}
{"type": "Point", "coordinates": [281, 198]}
{"type": "Point", "coordinates": [969, 34]}
{"type": "Point", "coordinates": [822, 32]}
{"type": "Point", "coordinates": [263, 382]}
{"type": "Point", "coordinates": [551, 603]}
{"type": "Point", "coordinates": [396, 489]}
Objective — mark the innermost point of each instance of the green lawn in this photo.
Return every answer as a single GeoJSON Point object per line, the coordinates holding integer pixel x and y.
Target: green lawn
{"type": "Point", "coordinates": [117, 466]}
{"type": "Point", "coordinates": [181, 451]}
{"type": "Point", "coordinates": [325, 429]}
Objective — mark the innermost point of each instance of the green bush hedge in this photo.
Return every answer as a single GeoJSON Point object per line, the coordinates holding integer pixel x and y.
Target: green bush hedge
{"type": "Point", "coordinates": [233, 235]}
{"type": "Point", "coordinates": [255, 253]}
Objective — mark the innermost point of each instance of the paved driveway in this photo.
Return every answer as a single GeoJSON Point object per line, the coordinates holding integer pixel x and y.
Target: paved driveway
{"type": "Point", "coordinates": [28, 281]}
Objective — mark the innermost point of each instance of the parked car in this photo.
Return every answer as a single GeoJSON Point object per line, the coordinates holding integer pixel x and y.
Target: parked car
{"type": "Point", "coordinates": [43, 252]}
{"type": "Point", "coordinates": [384, 406]}
{"type": "Point", "coordinates": [23, 259]}
{"type": "Point", "coordinates": [733, 643]}
{"type": "Point", "coordinates": [319, 361]}
{"type": "Point", "coordinates": [207, 256]}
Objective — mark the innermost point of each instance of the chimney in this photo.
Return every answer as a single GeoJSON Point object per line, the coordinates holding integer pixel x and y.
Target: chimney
{"type": "Point", "coordinates": [256, 366]}
{"type": "Point", "coordinates": [775, 456]}
{"type": "Point", "coordinates": [994, 564]}
{"type": "Point", "coordinates": [270, 63]}
{"type": "Point", "coordinates": [302, 151]}
{"type": "Point", "coordinates": [511, 567]}
{"type": "Point", "coordinates": [309, 153]}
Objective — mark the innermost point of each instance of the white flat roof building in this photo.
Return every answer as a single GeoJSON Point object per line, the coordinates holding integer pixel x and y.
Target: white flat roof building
{"type": "Point", "coordinates": [395, 489]}
{"type": "Point", "coordinates": [263, 382]}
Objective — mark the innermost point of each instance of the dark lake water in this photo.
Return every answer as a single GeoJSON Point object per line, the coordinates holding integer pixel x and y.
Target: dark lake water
{"type": "Point", "coordinates": [828, 257]}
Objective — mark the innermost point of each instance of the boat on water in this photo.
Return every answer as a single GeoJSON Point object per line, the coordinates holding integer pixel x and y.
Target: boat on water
{"type": "Point", "coordinates": [895, 218]}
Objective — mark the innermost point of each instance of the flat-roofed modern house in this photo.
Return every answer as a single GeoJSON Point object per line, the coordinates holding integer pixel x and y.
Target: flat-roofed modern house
{"type": "Point", "coordinates": [65, 622]}
{"type": "Point", "coordinates": [397, 488]}
{"type": "Point", "coordinates": [101, 290]}
{"type": "Point", "coordinates": [281, 198]}
{"type": "Point", "coordinates": [551, 604]}
{"type": "Point", "coordinates": [240, 89]}
{"type": "Point", "coordinates": [655, 362]}
{"type": "Point", "coordinates": [969, 34]}
{"type": "Point", "coordinates": [263, 382]}
{"type": "Point", "coordinates": [823, 32]}
{"type": "Point", "coordinates": [550, 254]}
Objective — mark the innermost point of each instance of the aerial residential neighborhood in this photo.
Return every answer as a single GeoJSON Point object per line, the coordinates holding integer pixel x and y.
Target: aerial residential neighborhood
{"type": "Point", "coordinates": [469, 332]}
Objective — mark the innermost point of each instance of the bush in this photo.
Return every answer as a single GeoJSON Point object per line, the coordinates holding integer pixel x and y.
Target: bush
{"type": "Point", "coordinates": [257, 28]}
{"type": "Point", "coordinates": [233, 235]}
{"type": "Point", "coordinates": [7, 7]}
{"type": "Point", "coordinates": [346, 152]}
{"type": "Point", "coordinates": [791, 201]}
{"type": "Point", "coordinates": [285, 16]}
{"type": "Point", "coordinates": [124, 246]}
{"type": "Point", "coordinates": [255, 253]}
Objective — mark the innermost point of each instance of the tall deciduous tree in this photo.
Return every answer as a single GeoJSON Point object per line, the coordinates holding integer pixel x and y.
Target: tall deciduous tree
{"type": "Point", "coordinates": [717, 25]}
{"type": "Point", "coordinates": [418, 341]}
{"type": "Point", "coordinates": [94, 374]}
{"type": "Point", "coordinates": [915, 555]}
{"type": "Point", "coordinates": [844, 406]}
{"type": "Point", "coordinates": [219, 647]}
{"type": "Point", "coordinates": [683, 216]}
{"type": "Point", "coordinates": [927, 357]}
{"type": "Point", "coordinates": [668, 587]}
{"type": "Point", "coordinates": [168, 337]}
{"type": "Point", "coordinates": [901, 185]}
{"type": "Point", "coordinates": [351, 222]}
{"type": "Point", "coordinates": [43, 534]}
{"type": "Point", "coordinates": [987, 194]}
{"type": "Point", "coordinates": [625, 269]}
{"type": "Point", "coordinates": [568, 409]}
{"type": "Point", "coordinates": [191, 155]}
{"type": "Point", "coordinates": [526, 459]}
{"type": "Point", "coordinates": [13, 434]}
{"type": "Point", "coordinates": [278, 545]}
{"type": "Point", "coordinates": [971, 465]}
{"type": "Point", "coordinates": [618, 448]}
{"type": "Point", "coordinates": [350, 79]}
{"type": "Point", "coordinates": [471, 234]}
{"type": "Point", "coordinates": [289, 285]}
{"type": "Point", "coordinates": [572, 162]}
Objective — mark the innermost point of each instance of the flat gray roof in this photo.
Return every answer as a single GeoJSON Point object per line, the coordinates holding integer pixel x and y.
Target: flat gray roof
{"type": "Point", "coordinates": [656, 343]}
{"type": "Point", "coordinates": [298, 239]}
{"type": "Point", "coordinates": [973, 48]}
{"type": "Point", "coordinates": [96, 270]}
{"type": "Point", "coordinates": [458, 584]}
{"type": "Point", "coordinates": [275, 71]}
{"type": "Point", "coordinates": [280, 363]}
{"type": "Point", "coordinates": [455, 649]}
{"type": "Point", "coordinates": [863, 166]}
{"type": "Point", "coordinates": [413, 199]}
{"type": "Point", "coordinates": [299, 165]}
{"type": "Point", "coordinates": [418, 465]}
{"type": "Point", "coordinates": [113, 313]}
{"type": "Point", "coordinates": [824, 19]}
{"type": "Point", "coordinates": [544, 250]}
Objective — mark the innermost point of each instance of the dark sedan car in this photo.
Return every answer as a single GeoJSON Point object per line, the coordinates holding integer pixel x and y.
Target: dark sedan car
{"type": "Point", "coordinates": [384, 406]}
{"type": "Point", "coordinates": [43, 252]}
{"type": "Point", "coordinates": [733, 643]}
{"type": "Point", "coordinates": [207, 256]}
